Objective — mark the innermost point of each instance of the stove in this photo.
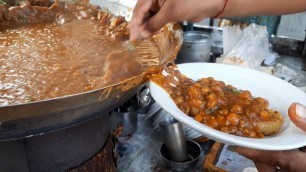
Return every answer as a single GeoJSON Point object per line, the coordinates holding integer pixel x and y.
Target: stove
{"type": "Point", "coordinates": [56, 151]}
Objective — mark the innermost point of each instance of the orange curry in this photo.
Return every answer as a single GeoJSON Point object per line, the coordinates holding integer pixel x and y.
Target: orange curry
{"type": "Point", "coordinates": [217, 105]}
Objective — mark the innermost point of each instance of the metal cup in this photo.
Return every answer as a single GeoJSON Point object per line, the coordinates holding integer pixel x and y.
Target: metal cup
{"type": "Point", "coordinates": [175, 140]}
{"type": "Point", "coordinates": [127, 116]}
{"type": "Point", "coordinates": [193, 163]}
{"type": "Point", "coordinates": [129, 123]}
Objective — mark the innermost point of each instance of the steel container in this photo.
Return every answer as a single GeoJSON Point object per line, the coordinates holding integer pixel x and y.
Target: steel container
{"type": "Point", "coordinates": [196, 47]}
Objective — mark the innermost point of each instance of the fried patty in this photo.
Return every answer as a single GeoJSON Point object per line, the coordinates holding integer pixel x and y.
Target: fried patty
{"type": "Point", "coordinates": [273, 125]}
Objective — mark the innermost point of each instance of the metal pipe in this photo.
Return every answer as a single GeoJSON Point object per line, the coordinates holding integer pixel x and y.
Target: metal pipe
{"type": "Point", "coordinates": [175, 139]}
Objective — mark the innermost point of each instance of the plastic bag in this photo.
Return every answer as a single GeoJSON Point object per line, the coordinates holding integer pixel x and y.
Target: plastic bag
{"type": "Point", "coordinates": [251, 48]}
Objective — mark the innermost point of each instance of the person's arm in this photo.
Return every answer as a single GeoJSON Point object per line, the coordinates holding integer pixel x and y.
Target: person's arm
{"type": "Point", "coordinates": [237, 8]}
{"type": "Point", "coordinates": [291, 160]}
{"type": "Point", "coordinates": [151, 15]}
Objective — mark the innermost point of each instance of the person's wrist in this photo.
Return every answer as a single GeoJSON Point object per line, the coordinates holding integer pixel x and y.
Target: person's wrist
{"type": "Point", "coordinates": [294, 160]}
{"type": "Point", "coordinates": [221, 8]}
{"type": "Point", "coordinates": [211, 8]}
{"type": "Point", "coordinates": [215, 7]}
{"type": "Point", "coordinates": [282, 159]}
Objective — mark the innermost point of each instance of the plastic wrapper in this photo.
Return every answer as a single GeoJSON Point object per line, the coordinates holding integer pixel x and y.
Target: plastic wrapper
{"type": "Point", "coordinates": [250, 49]}
{"type": "Point", "coordinates": [271, 59]}
{"type": "Point", "coordinates": [286, 73]}
{"type": "Point", "coordinates": [230, 37]}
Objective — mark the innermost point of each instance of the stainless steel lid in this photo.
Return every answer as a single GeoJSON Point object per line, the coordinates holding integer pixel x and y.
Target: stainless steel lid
{"type": "Point", "coordinates": [196, 37]}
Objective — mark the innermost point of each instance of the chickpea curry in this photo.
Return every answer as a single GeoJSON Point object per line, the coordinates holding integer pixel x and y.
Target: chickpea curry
{"type": "Point", "coordinates": [220, 106]}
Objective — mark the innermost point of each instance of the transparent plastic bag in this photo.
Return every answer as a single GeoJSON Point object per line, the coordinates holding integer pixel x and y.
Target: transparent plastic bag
{"type": "Point", "coordinates": [251, 48]}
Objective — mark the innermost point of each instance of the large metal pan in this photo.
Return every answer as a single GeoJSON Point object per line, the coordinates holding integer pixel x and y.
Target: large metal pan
{"type": "Point", "coordinates": [24, 120]}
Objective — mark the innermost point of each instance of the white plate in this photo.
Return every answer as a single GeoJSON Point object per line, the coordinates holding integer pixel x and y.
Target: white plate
{"type": "Point", "coordinates": [279, 93]}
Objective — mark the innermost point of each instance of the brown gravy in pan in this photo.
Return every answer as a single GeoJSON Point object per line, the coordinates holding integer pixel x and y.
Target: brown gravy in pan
{"type": "Point", "coordinates": [63, 50]}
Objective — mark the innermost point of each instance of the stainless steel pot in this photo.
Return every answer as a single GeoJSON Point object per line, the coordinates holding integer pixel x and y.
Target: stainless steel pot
{"type": "Point", "coordinates": [196, 47]}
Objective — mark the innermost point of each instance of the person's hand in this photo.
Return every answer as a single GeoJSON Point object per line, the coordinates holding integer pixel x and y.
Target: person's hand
{"type": "Point", "coordinates": [291, 160]}
{"type": "Point", "coordinates": [271, 161]}
{"type": "Point", "coordinates": [151, 15]}
{"type": "Point", "coordinates": [297, 114]}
